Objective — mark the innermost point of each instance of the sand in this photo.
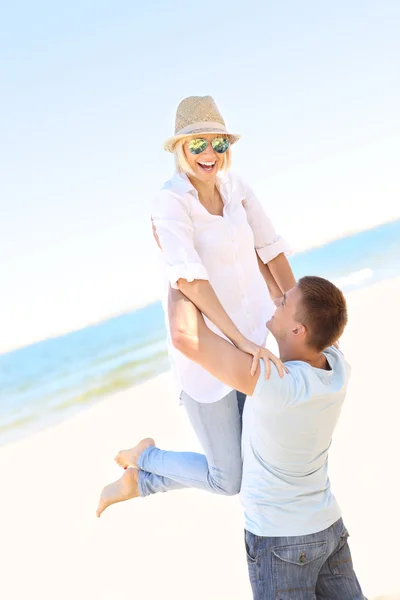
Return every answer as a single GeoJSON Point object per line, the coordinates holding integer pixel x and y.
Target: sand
{"type": "Point", "coordinates": [189, 544]}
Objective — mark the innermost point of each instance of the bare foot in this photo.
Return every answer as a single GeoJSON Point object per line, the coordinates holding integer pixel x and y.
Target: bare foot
{"type": "Point", "coordinates": [125, 488]}
{"type": "Point", "coordinates": [130, 458]}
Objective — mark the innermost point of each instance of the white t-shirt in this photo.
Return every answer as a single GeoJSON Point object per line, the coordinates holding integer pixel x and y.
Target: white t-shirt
{"type": "Point", "coordinates": [288, 425]}
{"type": "Point", "coordinates": [198, 245]}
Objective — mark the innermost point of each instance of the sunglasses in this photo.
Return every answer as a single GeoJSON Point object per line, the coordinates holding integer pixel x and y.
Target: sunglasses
{"type": "Point", "coordinates": [219, 144]}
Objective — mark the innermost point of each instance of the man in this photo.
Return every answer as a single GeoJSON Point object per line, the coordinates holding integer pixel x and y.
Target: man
{"type": "Point", "coordinates": [296, 541]}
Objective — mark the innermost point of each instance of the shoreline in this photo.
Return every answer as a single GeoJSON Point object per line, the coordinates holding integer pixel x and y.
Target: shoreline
{"type": "Point", "coordinates": [52, 419]}
{"type": "Point", "coordinates": [300, 250]}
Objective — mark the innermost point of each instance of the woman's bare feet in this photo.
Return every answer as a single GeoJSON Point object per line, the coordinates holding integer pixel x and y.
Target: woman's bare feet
{"type": "Point", "coordinates": [125, 488]}
{"type": "Point", "coordinates": [130, 458]}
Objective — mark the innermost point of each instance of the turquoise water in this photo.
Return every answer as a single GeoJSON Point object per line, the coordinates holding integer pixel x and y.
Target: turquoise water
{"type": "Point", "coordinates": [46, 382]}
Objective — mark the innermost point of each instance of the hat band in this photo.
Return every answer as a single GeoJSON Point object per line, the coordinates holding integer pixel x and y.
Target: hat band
{"type": "Point", "coordinates": [201, 125]}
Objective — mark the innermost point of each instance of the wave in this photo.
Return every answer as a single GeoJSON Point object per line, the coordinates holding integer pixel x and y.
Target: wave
{"type": "Point", "coordinates": [354, 278]}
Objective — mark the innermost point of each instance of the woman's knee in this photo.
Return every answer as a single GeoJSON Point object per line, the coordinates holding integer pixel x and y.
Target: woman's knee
{"type": "Point", "coordinates": [232, 488]}
{"type": "Point", "coordinates": [229, 483]}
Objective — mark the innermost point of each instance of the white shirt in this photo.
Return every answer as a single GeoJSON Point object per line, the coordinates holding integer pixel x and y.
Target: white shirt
{"type": "Point", "coordinates": [198, 245]}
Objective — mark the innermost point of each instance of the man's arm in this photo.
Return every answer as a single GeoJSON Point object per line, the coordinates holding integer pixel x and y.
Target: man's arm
{"type": "Point", "coordinates": [192, 337]}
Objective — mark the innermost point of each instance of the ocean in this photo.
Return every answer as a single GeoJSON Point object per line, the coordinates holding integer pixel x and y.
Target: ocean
{"type": "Point", "coordinates": [44, 383]}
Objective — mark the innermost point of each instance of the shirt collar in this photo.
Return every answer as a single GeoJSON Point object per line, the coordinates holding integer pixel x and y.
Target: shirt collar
{"type": "Point", "coordinates": [181, 182]}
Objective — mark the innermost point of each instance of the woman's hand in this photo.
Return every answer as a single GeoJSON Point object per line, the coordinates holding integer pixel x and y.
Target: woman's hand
{"type": "Point", "coordinates": [277, 301]}
{"type": "Point", "coordinates": [260, 352]}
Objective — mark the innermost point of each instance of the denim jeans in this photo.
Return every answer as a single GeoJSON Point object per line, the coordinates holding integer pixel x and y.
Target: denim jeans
{"type": "Point", "coordinates": [309, 567]}
{"type": "Point", "coordinates": [219, 428]}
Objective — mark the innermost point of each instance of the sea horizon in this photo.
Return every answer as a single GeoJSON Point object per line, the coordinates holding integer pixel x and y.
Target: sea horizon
{"type": "Point", "coordinates": [45, 382]}
{"type": "Point", "coordinates": [152, 300]}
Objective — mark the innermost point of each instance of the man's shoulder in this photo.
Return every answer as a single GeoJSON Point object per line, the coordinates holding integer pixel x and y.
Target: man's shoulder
{"type": "Point", "coordinates": [337, 360]}
{"type": "Point", "coordinates": [337, 352]}
{"type": "Point", "coordinates": [276, 387]}
{"type": "Point", "coordinates": [311, 382]}
{"type": "Point", "coordinates": [298, 385]}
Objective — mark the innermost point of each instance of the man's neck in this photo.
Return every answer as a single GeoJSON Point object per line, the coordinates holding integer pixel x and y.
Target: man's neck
{"type": "Point", "coordinates": [315, 359]}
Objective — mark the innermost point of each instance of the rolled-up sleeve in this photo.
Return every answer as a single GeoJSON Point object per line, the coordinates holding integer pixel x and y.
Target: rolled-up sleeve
{"type": "Point", "coordinates": [174, 228]}
{"type": "Point", "coordinates": [267, 242]}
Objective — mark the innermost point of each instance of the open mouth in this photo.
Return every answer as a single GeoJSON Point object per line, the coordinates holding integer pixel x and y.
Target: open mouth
{"type": "Point", "coordinates": [208, 167]}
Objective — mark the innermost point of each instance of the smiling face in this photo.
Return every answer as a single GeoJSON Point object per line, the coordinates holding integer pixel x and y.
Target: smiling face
{"type": "Point", "coordinates": [205, 165]}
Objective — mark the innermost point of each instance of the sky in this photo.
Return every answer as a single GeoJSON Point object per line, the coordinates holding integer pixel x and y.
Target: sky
{"type": "Point", "coordinates": [88, 94]}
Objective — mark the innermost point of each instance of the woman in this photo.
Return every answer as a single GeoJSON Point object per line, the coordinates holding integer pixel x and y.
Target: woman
{"type": "Point", "coordinates": [221, 251]}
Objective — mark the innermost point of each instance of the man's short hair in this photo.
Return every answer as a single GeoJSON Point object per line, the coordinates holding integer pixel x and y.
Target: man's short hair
{"type": "Point", "coordinates": [323, 311]}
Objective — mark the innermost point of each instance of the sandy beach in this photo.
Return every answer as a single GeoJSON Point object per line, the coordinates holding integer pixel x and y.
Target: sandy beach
{"type": "Point", "coordinates": [190, 544]}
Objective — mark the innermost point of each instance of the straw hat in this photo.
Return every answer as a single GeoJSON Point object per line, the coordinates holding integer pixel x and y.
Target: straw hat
{"type": "Point", "coordinates": [197, 115]}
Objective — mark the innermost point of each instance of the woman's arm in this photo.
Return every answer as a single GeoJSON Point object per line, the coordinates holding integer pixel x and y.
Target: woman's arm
{"type": "Point", "coordinates": [202, 294]}
{"type": "Point", "coordinates": [273, 288]}
{"type": "Point", "coordinates": [267, 242]}
{"type": "Point", "coordinates": [282, 273]}
{"type": "Point", "coordinates": [194, 339]}
{"type": "Point", "coordinates": [173, 231]}
{"type": "Point", "coordinates": [270, 247]}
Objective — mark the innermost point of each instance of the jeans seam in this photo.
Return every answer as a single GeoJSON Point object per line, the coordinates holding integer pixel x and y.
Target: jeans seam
{"type": "Point", "coordinates": [340, 562]}
{"type": "Point", "coordinates": [308, 589]}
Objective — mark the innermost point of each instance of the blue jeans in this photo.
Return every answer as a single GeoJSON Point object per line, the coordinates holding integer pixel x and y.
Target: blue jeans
{"type": "Point", "coordinates": [219, 428]}
{"type": "Point", "coordinates": [309, 567]}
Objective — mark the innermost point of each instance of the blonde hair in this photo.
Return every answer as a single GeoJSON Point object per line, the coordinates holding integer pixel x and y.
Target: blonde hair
{"type": "Point", "coordinates": [182, 164]}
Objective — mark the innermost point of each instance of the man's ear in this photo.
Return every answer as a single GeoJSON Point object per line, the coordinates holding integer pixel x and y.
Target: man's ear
{"type": "Point", "coordinates": [299, 330]}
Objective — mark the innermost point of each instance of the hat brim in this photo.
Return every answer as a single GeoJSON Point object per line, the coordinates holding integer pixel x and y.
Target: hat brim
{"type": "Point", "coordinates": [170, 143]}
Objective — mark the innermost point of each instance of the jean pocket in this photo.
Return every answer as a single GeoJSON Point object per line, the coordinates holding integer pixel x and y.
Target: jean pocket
{"type": "Point", "coordinates": [340, 562]}
{"type": "Point", "coordinates": [295, 569]}
{"type": "Point", "coordinates": [251, 544]}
